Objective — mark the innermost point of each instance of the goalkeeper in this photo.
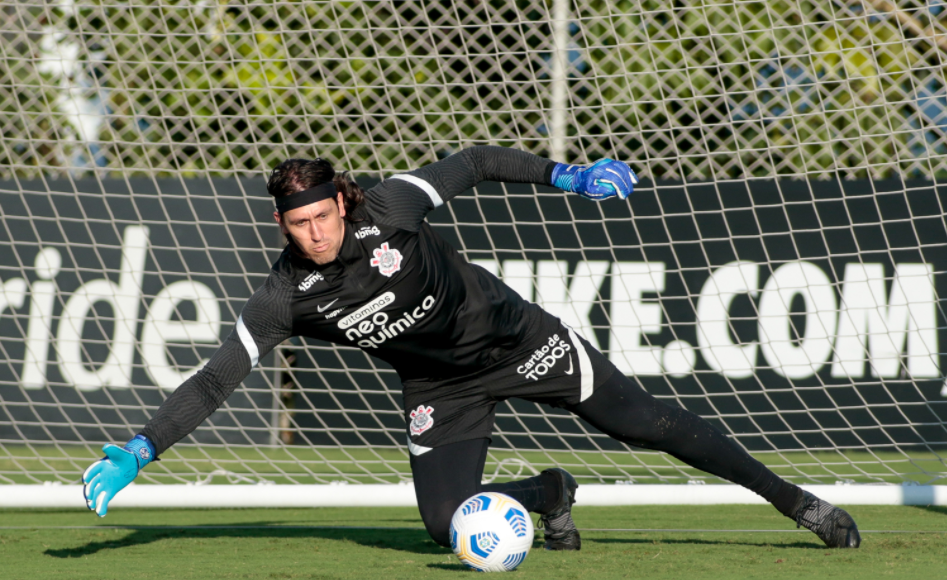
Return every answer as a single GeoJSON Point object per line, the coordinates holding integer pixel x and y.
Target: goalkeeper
{"type": "Point", "coordinates": [364, 268]}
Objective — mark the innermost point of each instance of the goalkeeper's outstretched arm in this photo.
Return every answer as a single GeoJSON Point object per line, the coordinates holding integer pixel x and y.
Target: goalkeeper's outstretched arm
{"type": "Point", "coordinates": [405, 199]}
{"type": "Point", "coordinates": [264, 323]}
{"type": "Point", "coordinates": [458, 173]}
{"type": "Point", "coordinates": [464, 170]}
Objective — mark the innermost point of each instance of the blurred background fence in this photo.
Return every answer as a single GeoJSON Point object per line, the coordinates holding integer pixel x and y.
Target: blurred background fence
{"type": "Point", "coordinates": [683, 89]}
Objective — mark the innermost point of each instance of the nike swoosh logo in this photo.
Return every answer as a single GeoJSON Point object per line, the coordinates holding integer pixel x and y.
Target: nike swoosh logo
{"type": "Point", "coordinates": [569, 372]}
{"type": "Point", "coordinates": [322, 309]}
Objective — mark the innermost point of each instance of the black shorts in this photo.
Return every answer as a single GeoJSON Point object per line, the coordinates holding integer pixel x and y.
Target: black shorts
{"type": "Point", "coordinates": [558, 368]}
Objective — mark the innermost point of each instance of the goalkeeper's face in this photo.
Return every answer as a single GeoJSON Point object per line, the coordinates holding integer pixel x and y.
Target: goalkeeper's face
{"type": "Point", "coordinates": [316, 228]}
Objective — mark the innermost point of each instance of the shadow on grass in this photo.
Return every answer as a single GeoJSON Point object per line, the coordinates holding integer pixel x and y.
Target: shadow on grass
{"type": "Point", "coordinates": [697, 542]}
{"type": "Point", "coordinates": [401, 539]}
{"type": "Point", "coordinates": [449, 567]}
{"type": "Point", "coordinates": [414, 541]}
{"type": "Point", "coordinates": [937, 509]}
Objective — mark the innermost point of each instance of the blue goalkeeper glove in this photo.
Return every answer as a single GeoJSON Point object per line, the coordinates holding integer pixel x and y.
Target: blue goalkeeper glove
{"type": "Point", "coordinates": [603, 179]}
{"type": "Point", "coordinates": [112, 473]}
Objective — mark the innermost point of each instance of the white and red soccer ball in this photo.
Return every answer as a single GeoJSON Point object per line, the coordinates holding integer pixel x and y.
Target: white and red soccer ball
{"type": "Point", "coordinates": [491, 532]}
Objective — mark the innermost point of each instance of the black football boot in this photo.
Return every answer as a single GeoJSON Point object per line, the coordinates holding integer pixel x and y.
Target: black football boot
{"type": "Point", "coordinates": [557, 525]}
{"type": "Point", "coordinates": [833, 525]}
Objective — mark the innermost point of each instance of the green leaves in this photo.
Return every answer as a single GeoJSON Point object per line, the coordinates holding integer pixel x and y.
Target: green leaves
{"type": "Point", "coordinates": [696, 89]}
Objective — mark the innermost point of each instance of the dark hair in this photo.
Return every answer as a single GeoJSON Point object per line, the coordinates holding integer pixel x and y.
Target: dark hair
{"type": "Point", "coordinates": [295, 175]}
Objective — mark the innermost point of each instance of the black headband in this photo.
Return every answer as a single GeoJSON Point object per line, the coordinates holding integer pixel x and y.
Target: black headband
{"type": "Point", "coordinates": [305, 197]}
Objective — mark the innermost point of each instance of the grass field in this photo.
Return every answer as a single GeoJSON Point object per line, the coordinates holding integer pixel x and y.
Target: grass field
{"type": "Point", "coordinates": [327, 543]}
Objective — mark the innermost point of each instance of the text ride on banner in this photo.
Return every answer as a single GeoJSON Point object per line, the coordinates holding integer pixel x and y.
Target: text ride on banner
{"type": "Point", "coordinates": [157, 331]}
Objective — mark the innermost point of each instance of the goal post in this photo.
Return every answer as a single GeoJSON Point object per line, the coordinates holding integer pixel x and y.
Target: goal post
{"type": "Point", "coordinates": [778, 271]}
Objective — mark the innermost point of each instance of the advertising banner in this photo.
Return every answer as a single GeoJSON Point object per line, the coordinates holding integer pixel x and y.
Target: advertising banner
{"type": "Point", "coordinates": [793, 314]}
{"type": "Point", "coordinates": [114, 292]}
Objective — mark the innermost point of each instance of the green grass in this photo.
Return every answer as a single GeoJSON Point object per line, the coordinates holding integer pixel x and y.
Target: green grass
{"type": "Point", "coordinates": [267, 548]}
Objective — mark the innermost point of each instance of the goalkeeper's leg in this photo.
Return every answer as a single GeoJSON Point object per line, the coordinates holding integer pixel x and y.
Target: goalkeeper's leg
{"type": "Point", "coordinates": [446, 476]}
{"type": "Point", "coordinates": [625, 411]}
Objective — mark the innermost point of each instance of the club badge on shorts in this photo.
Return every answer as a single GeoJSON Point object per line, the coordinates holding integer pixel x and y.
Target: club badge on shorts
{"type": "Point", "coordinates": [421, 420]}
{"type": "Point", "coordinates": [387, 259]}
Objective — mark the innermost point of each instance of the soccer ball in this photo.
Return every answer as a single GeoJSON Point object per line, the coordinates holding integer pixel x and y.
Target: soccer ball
{"type": "Point", "coordinates": [491, 532]}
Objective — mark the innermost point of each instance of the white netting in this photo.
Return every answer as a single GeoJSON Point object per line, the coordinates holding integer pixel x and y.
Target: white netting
{"type": "Point", "coordinates": [802, 315]}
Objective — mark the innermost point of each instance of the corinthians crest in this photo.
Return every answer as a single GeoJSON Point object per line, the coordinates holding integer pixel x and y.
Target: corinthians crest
{"type": "Point", "coordinates": [421, 420]}
{"type": "Point", "coordinates": [387, 259]}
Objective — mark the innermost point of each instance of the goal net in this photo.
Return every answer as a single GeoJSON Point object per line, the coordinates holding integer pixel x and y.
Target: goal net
{"type": "Point", "coordinates": [778, 270]}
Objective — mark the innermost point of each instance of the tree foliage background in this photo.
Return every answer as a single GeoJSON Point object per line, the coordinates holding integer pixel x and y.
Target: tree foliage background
{"type": "Point", "coordinates": [686, 89]}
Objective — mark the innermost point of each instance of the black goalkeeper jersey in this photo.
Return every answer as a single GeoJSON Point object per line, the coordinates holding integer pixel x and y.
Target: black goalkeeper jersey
{"type": "Point", "coordinates": [396, 290]}
{"type": "Point", "coordinates": [406, 297]}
